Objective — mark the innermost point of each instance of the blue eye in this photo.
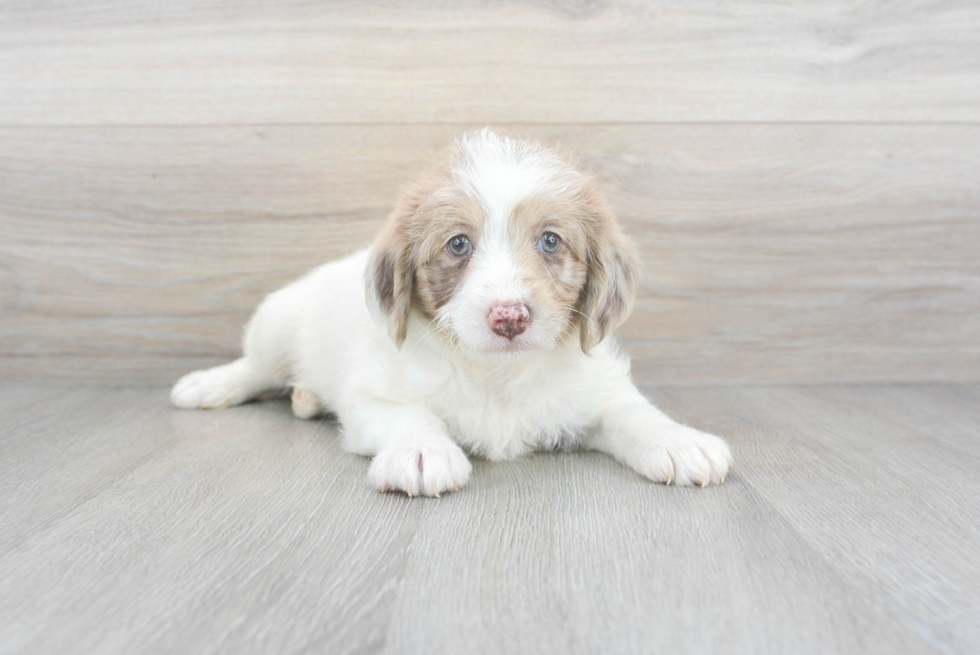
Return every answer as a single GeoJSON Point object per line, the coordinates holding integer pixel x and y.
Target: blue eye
{"type": "Point", "coordinates": [459, 246]}
{"type": "Point", "coordinates": [549, 243]}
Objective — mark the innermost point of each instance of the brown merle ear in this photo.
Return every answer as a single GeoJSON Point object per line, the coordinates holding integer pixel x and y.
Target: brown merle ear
{"type": "Point", "coordinates": [611, 282]}
{"type": "Point", "coordinates": [390, 275]}
{"type": "Point", "coordinates": [395, 255]}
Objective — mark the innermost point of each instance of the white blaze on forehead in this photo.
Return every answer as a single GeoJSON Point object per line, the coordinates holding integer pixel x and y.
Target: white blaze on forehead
{"type": "Point", "coordinates": [500, 172]}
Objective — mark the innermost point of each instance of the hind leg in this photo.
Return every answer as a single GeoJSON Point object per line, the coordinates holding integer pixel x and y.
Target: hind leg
{"type": "Point", "coordinates": [305, 403]}
{"type": "Point", "coordinates": [265, 365]}
{"type": "Point", "coordinates": [219, 387]}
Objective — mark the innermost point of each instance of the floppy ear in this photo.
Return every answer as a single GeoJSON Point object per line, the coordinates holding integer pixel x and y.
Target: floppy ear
{"type": "Point", "coordinates": [611, 283]}
{"type": "Point", "coordinates": [390, 275]}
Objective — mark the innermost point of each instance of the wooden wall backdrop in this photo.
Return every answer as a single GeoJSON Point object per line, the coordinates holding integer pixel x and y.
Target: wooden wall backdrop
{"type": "Point", "coordinates": [803, 178]}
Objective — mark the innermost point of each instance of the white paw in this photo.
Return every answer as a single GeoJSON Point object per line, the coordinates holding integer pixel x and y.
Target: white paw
{"type": "Point", "coordinates": [213, 388]}
{"type": "Point", "coordinates": [428, 469]}
{"type": "Point", "coordinates": [683, 456]}
{"type": "Point", "coordinates": [305, 403]}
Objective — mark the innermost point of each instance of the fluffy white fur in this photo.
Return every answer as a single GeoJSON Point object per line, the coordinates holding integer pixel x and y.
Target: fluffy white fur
{"type": "Point", "coordinates": [453, 384]}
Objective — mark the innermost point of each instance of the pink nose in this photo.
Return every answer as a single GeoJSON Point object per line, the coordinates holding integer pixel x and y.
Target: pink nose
{"type": "Point", "coordinates": [508, 319]}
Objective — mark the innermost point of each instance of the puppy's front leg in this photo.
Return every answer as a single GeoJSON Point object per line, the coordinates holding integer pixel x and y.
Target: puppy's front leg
{"type": "Point", "coordinates": [652, 444]}
{"type": "Point", "coordinates": [411, 447]}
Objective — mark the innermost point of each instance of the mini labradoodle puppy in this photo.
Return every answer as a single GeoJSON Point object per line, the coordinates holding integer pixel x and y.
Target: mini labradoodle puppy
{"type": "Point", "coordinates": [480, 319]}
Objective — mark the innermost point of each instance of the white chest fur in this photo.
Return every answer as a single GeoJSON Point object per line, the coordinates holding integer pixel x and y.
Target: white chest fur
{"type": "Point", "coordinates": [504, 410]}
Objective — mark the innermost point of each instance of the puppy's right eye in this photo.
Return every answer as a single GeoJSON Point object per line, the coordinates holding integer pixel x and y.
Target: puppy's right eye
{"type": "Point", "coordinates": [459, 246]}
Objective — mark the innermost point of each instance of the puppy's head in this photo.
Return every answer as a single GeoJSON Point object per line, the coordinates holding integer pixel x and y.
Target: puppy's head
{"type": "Point", "coordinates": [508, 248]}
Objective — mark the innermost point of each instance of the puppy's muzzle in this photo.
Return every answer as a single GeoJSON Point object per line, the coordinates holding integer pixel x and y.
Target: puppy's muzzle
{"type": "Point", "coordinates": [509, 319]}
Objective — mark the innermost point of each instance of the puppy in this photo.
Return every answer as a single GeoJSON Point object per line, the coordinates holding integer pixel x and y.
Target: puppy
{"type": "Point", "coordinates": [480, 319]}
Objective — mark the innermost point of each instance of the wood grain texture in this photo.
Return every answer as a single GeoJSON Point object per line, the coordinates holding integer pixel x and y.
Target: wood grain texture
{"type": "Point", "coordinates": [776, 253]}
{"type": "Point", "coordinates": [578, 555]}
{"type": "Point", "coordinates": [132, 527]}
{"type": "Point", "coordinates": [217, 62]}
{"type": "Point", "coordinates": [871, 484]}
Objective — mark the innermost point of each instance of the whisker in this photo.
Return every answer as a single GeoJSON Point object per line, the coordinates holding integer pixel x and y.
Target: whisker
{"type": "Point", "coordinates": [428, 333]}
{"type": "Point", "coordinates": [586, 316]}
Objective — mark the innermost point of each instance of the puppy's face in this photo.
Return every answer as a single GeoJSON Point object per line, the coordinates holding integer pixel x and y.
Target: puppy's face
{"type": "Point", "coordinates": [507, 249]}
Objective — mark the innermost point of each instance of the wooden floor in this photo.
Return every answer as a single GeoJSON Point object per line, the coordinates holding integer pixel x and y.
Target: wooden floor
{"type": "Point", "coordinates": [851, 523]}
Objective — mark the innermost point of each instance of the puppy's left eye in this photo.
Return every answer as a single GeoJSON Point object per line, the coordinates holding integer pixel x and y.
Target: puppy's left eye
{"type": "Point", "coordinates": [549, 243]}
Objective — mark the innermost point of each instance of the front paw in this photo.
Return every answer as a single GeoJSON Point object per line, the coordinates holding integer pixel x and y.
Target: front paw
{"type": "Point", "coordinates": [418, 469]}
{"type": "Point", "coordinates": [683, 456]}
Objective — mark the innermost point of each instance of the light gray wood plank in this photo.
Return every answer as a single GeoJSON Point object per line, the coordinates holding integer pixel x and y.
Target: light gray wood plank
{"type": "Point", "coordinates": [949, 413]}
{"type": "Point", "coordinates": [59, 451]}
{"type": "Point", "coordinates": [15, 394]}
{"type": "Point", "coordinates": [892, 507]}
{"type": "Point", "coordinates": [800, 253]}
{"type": "Point", "coordinates": [252, 526]}
{"type": "Point", "coordinates": [252, 532]}
{"type": "Point", "coordinates": [572, 553]}
{"type": "Point", "coordinates": [115, 62]}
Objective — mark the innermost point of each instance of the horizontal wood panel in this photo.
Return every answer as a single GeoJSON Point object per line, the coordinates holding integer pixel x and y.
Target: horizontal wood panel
{"type": "Point", "coordinates": [215, 62]}
{"type": "Point", "coordinates": [779, 253]}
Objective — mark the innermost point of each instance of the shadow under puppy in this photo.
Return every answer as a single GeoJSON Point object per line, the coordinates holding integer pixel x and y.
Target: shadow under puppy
{"type": "Point", "coordinates": [479, 319]}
